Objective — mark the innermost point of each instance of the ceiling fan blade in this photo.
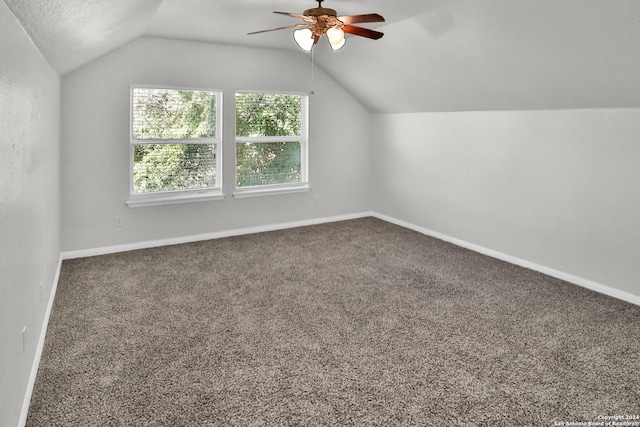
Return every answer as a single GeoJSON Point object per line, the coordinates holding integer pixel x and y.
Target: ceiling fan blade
{"type": "Point", "coordinates": [359, 19]}
{"type": "Point", "coordinates": [363, 32]}
{"type": "Point", "coordinates": [279, 28]}
{"type": "Point", "coordinates": [296, 15]}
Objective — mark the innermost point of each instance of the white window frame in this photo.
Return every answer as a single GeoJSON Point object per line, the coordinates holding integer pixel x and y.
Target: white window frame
{"type": "Point", "coordinates": [303, 139]}
{"type": "Point", "coordinates": [177, 196]}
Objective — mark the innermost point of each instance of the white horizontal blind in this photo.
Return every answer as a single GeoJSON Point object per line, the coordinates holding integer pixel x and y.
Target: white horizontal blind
{"type": "Point", "coordinates": [271, 139]}
{"type": "Point", "coordinates": [175, 140]}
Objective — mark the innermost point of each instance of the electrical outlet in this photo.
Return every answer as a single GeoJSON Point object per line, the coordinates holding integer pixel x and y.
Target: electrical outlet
{"type": "Point", "coordinates": [119, 221]}
{"type": "Point", "coordinates": [24, 339]}
{"type": "Point", "coordinates": [316, 201]}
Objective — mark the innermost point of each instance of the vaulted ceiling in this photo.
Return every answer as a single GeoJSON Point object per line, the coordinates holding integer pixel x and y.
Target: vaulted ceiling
{"type": "Point", "coordinates": [436, 55]}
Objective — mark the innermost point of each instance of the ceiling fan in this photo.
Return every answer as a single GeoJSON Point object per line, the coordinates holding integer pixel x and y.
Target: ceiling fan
{"type": "Point", "coordinates": [320, 21]}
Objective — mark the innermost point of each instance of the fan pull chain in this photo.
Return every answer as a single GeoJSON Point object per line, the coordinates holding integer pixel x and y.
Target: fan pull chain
{"type": "Point", "coordinates": [312, 72]}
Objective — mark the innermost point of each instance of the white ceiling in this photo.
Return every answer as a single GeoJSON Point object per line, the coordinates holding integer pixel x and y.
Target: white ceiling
{"type": "Point", "coordinates": [71, 33]}
{"type": "Point", "coordinates": [437, 55]}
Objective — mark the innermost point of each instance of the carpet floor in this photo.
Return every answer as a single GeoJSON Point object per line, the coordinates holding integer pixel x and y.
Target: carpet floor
{"type": "Point", "coordinates": [351, 323]}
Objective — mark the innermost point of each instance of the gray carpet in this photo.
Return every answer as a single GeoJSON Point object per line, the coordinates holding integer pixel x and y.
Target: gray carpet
{"type": "Point", "coordinates": [351, 323]}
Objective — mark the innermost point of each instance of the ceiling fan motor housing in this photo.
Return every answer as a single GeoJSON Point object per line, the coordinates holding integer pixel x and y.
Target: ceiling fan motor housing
{"type": "Point", "coordinates": [320, 11]}
{"type": "Point", "coordinates": [325, 19]}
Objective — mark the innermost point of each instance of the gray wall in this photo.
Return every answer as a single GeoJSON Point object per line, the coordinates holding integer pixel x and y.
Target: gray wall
{"type": "Point", "coordinates": [556, 188]}
{"type": "Point", "coordinates": [95, 152]}
{"type": "Point", "coordinates": [29, 205]}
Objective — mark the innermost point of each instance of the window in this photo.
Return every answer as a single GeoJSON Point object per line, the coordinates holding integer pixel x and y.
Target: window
{"type": "Point", "coordinates": [271, 143]}
{"type": "Point", "coordinates": [175, 145]}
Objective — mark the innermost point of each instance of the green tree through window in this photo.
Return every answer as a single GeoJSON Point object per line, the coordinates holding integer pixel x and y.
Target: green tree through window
{"type": "Point", "coordinates": [173, 137]}
{"type": "Point", "coordinates": [269, 138]}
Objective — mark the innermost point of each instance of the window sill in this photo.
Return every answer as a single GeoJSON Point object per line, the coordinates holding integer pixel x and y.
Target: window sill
{"type": "Point", "coordinates": [242, 193]}
{"type": "Point", "coordinates": [139, 201]}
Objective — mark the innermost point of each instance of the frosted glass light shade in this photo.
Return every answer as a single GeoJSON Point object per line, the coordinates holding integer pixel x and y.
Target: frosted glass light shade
{"type": "Point", "coordinates": [336, 38]}
{"type": "Point", "coordinates": [337, 46]}
{"type": "Point", "coordinates": [304, 39]}
{"type": "Point", "coordinates": [335, 35]}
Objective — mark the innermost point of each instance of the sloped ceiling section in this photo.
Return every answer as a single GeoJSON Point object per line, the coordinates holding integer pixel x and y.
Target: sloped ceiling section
{"type": "Point", "coordinates": [436, 55]}
{"type": "Point", "coordinates": [498, 55]}
{"type": "Point", "coordinates": [71, 33]}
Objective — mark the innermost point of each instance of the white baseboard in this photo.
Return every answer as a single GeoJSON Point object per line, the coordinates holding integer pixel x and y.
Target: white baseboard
{"type": "Point", "coordinates": [585, 283]}
{"type": "Point", "coordinates": [39, 348]}
{"type": "Point", "coordinates": [209, 236]}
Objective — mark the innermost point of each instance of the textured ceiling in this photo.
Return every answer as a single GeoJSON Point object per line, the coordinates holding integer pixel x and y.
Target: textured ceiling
{"type": "Point", "coordinates": [437, 55]}
{"type": "Point", "coordinates": [71, 33]}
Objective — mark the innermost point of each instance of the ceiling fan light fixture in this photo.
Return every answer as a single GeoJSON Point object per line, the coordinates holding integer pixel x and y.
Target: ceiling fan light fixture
{"type": "Point", "coordinates": [321, 21]}
{"type": "Point", "coordinates": [304, 39]}
{"type": "Point", "coordinates": [337, 46]}
{"type": "Point", "coordinates": [336, 38]}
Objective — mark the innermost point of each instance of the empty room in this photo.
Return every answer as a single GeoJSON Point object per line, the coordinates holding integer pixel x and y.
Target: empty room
{"type": "Point", "coordinates": [320, 213]}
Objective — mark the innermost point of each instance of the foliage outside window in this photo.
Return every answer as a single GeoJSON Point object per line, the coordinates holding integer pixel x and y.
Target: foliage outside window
{"type": "Point", "coordinates": [175, 141]}
{"type": "Point", "coordinates": [271, 140]}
